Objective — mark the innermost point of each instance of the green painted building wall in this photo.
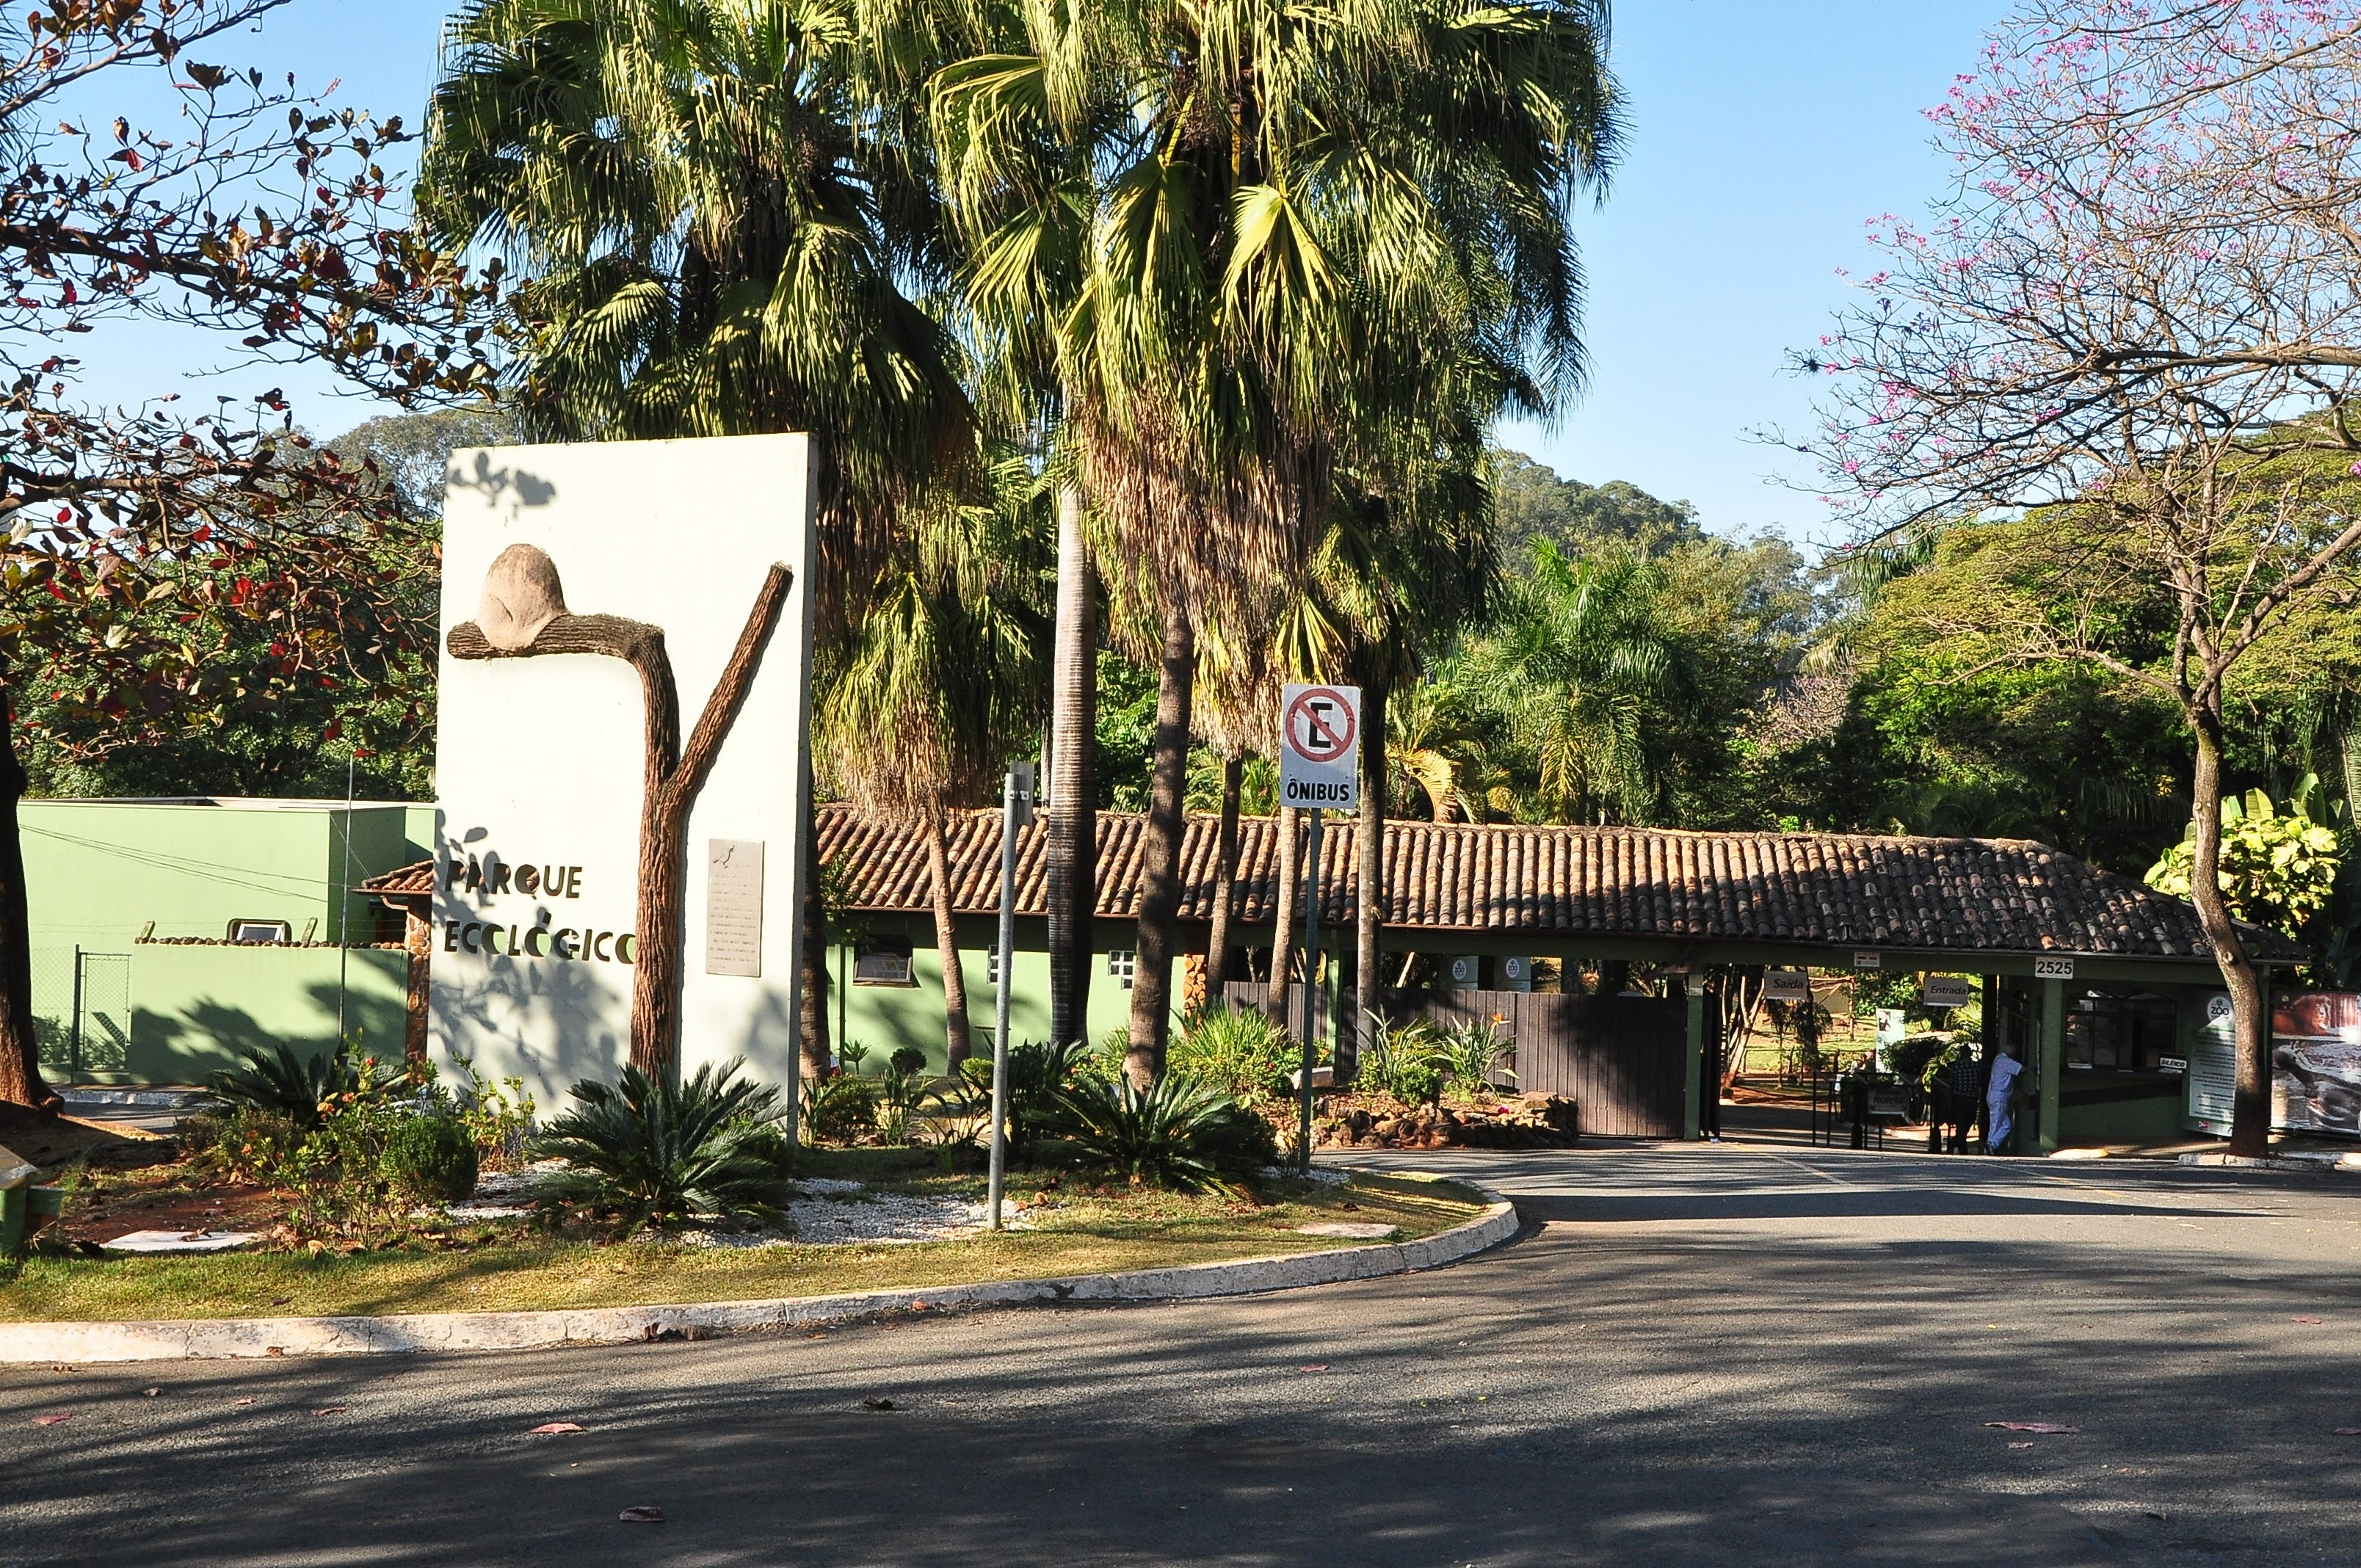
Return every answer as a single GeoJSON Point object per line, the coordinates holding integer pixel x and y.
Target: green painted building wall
{"type": "Point", "coordinates": [884, 1017]}
{"type": "Point", "coordinates": [114, 888]}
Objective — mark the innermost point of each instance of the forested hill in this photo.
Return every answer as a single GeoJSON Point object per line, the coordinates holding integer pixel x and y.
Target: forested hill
{"type": "Point", "coordinates": [1532, 502]}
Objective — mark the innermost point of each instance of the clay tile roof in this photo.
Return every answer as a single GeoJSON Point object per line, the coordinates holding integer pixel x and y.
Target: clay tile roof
{"type": "Point", "coordinates": [414, 881]}
{"type": "Point", "coordinates": [1838, 890]}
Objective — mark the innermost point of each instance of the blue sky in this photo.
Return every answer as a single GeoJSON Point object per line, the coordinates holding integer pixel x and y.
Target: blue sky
{"type": "Point", "coordinates": [1762, 134]}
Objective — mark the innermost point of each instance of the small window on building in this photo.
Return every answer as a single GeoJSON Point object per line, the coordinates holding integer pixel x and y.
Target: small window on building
{"type": "Point", "coordinates": [261, 933]}
{"type": "Point", "coordinates": [992, 966]}
{"type": "Point", "coordinates": [2131, 1032]}
{"type": "Point", "coordinates": [883, 960]}
{"type": "Point", "coordinates": [1120, 966]}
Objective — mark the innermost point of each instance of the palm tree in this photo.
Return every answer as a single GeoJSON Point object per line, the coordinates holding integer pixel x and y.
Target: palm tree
{"type": "Point", "coordinates": [1403, 568]}
{"type": "Point", "coordinates": [1280, 207]}
{"type": "Point", "coordinates": [1235, 710]}
{"type": "Point", "coordinates": [1072, 850]}
{"type": "Point", "coordinates": [938, 688]}
{"type": "Point", "coordinates": [717, 225]}
{"type": "Point", "coordinates": [1579, 665]}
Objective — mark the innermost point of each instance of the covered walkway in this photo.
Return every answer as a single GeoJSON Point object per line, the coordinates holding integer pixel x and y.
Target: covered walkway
{"type": "Point", "coordinates": [2100, 984]}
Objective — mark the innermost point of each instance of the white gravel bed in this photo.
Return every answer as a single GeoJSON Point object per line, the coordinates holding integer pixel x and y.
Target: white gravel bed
{"type": "Point", "coordinates": [830, 1212]}
{"type": "Point", "coordinates": [840, 1215]}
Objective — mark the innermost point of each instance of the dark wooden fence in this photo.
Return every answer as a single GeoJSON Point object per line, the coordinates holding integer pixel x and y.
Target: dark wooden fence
{"type": "Point", "coordinates": [1622, 1059]}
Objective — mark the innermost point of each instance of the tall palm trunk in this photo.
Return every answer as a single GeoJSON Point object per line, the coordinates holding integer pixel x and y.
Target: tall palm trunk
{"type": "Point", "coordinates": [956, 1040]}
{"type": "Point", "coordinates": [811, 987]}
{"type": "Point", "coordinates": [1225, 884]}
{"type": "Point", "coordinates": [2250, 1112]}
{"type": "Point", "coordinates": [20, 1050]}
{"type": "Point", "coordinates": [1369, 911]}
{"type": "Point", "coordinates": [1160, 853]}
{"type": "Point", "coordinates": [1072, 850]}
{"type": "Point", "coordinates": [1285, 908]}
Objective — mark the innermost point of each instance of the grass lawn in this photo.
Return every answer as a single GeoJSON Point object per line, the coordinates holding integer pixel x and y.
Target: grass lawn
{"type": "Point", "coordinates": [1078, 1229]}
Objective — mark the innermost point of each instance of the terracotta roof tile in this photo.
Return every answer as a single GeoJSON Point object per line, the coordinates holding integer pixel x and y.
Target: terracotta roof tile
{"type": "Point", "coordinates": [412, 881]}
{"type": "Point", "coordinates": [1827, 889]}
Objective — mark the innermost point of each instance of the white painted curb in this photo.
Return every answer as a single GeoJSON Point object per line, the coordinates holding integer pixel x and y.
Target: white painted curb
{"type": "Point", "coordinates": [204, 1339]}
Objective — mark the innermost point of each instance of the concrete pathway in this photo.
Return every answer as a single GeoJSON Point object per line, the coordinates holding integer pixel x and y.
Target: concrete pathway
{"type": "Point", "coordinates": [1694, 1355]}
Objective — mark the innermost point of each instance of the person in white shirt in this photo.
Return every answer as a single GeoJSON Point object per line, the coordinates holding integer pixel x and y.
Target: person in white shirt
{"type": "Point", "coordinates": [1999, 1088]}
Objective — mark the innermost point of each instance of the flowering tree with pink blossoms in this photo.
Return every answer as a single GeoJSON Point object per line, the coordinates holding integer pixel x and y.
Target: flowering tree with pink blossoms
{"type": "Point", "coordinates": [2138, 314]}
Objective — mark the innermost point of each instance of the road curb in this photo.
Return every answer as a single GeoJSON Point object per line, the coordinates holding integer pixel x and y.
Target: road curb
{"type": "Point", "coordinates": [2316, 1161]}
{"type": "Point", "coordinates": [211, 1339]}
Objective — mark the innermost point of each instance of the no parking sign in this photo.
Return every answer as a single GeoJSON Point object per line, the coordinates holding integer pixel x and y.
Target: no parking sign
{"type": "Point", "coordinates": [1320, 747]}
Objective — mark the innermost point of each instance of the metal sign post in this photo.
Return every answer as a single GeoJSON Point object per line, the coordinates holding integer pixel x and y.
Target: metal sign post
{"type": "Point", "coordinates": [1319, 769]}
{"type": "Point", "coordinates": [1311, 990]}
{"type": "Point", "coordinates": [1016, 811]}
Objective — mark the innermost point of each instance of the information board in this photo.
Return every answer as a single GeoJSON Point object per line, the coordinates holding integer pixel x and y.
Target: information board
{"type": "Point", "coordinates": [733, 907]}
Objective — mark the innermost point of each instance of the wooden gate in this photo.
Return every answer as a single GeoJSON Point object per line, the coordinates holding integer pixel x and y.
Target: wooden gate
{"type": "Point", "coordinates": [1622, 1059]}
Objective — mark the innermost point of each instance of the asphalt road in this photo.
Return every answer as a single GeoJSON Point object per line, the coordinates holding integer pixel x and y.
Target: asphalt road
{"type": "Point", "coordinates": [1691, 1356]}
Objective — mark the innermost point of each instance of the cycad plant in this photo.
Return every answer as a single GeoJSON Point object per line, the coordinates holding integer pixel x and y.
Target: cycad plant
{"type": "Point", "coordinates": [1177, 1132]}
{"type": "Point", "coordinates": [645, 1153]}
{"type": "Point", "coordinates": [282, 1081]}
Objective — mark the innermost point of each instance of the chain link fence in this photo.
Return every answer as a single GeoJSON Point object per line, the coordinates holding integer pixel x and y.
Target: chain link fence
{"type": "Point", "coordinates": [82, 1012]}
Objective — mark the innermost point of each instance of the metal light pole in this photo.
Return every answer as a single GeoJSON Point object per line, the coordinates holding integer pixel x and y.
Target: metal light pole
{"type": "Point", "coordinates": [1016, 811]}
{"type": "Point", "coordinates": [1311, 987]}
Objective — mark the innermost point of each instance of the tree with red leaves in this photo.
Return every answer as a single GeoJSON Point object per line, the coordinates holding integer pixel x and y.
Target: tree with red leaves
{"type": "Point", "coordinates": [163, 568]}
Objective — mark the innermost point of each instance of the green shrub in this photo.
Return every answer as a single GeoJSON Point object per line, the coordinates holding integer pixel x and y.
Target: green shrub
{"type": "Point", "coordinates": [1908, 1059]}
{"type": "Point", "coordinates": [1175, 1133]}
{"type": "Point", "coordinates": [907, 1061]}
{"type": "Point", "coordinates": [1418, 1083]}
{"type": "Point", "coordinates": [199, 1134]}
{"type": "Point", "coordinates": [1403, 1061]}
{"type": "Point", "coordinates": [1239, 1050]}
{"type": "Point", "coordinates": [1468, 1054]}
{"type": "Point", "coordinates": [432, 1159]}
{"type": "Point", "coordinates": [642, 1154]}
{"type": "Point", "coordinates": [1238, 1141]}
{"type": "Point", "coordinates": [842, 1108]}
{"type": "Point", "coordinates": [498, 1115]}
{"type": "Point", "coordinates": [337, 1173]}
{"type": "Point", "coordinates": [247, 1144]}
{"type": "Point", "coordinates": [277, 1079]}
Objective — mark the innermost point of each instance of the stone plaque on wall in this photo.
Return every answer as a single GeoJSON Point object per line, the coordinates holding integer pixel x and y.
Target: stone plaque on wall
{"type": "Point", "coordinates": [733, 907]}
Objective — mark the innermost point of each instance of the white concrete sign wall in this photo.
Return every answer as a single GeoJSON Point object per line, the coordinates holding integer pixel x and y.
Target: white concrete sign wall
{"type": "Point", "coordinates": [541, 762]}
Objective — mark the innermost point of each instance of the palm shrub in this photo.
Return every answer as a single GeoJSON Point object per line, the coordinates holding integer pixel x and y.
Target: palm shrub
{"type": "Point", "coordinates": [1240, 1050]}
{"type": "Point", "coordinates": [1178, 1132]}
{"type": "Point", "coordinates": [1041, 1075]}
{"type": "Point", "coordinates": [646, 1154]}
{"type": "Point", "coordinates": [276, 1080]}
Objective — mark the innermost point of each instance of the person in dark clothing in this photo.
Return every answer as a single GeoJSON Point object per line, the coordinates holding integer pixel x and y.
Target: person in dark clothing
{"type": "Point", "coordinates": [1966, 1086]}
